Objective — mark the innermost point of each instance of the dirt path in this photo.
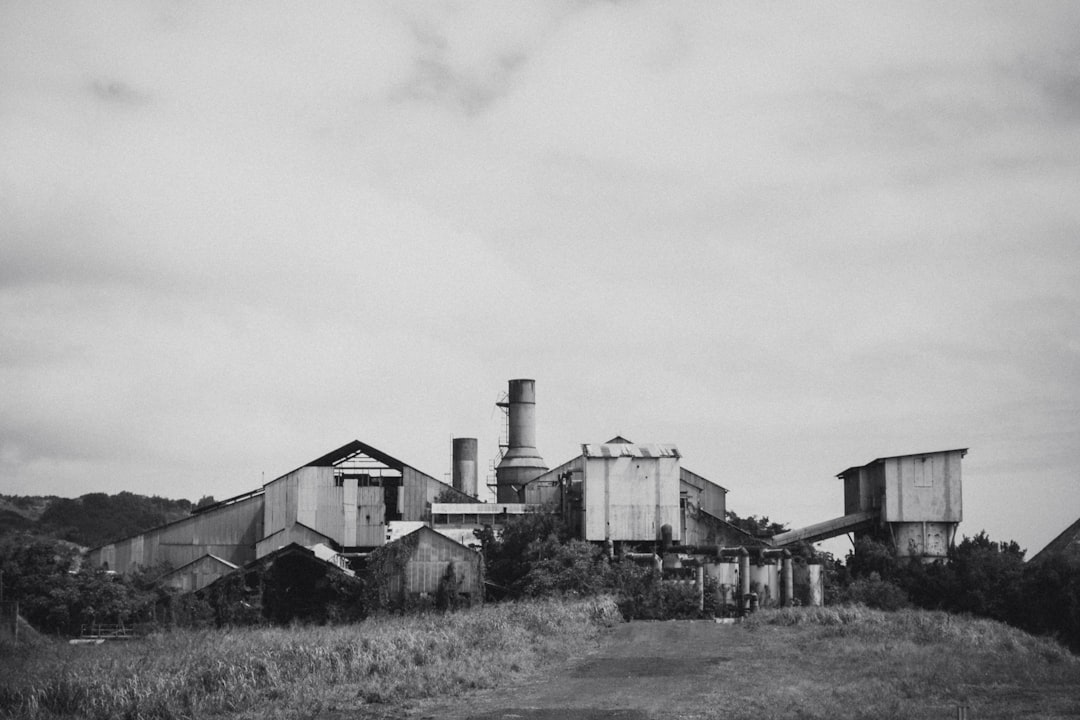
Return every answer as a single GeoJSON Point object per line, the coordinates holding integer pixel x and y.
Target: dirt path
{"type": "Point", "coordinates": [642, 670]}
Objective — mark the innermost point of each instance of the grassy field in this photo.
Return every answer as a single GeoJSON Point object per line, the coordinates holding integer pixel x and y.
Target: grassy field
{"type": "Point", "coordinates": [859, 663]}
{"type": "Point", "coordinates": [808, 663]}
{"type": "Point", "coordinates": [296, 672]}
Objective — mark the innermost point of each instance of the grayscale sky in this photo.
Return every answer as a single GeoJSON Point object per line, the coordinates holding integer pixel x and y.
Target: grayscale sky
{"type": "Point", "coordinates": [789, 237]}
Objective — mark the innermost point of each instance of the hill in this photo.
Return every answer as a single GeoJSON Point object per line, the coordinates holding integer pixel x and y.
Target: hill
{"type": "Point", "coordinates": [89, 520]}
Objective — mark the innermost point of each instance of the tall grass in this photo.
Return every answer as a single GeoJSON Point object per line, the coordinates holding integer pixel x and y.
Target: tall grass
{"type": "Point", "coordinates": [851, 661]}
{"type": "Point", "coordinates": [292, 672]}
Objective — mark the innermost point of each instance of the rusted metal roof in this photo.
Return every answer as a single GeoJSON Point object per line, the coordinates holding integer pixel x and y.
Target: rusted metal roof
{"type": "Point", "coordinates": [645, 450]}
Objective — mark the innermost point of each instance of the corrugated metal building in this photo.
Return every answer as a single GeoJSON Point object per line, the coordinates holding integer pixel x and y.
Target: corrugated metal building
{"type": "Point", "coordinates": [917, 497]}
{"type": "Point", "coordinates": [626, 492]}
{"type": "Point", "coordinates": [228, 531]}
{"type": "Point", "coordinates": [410, 569]}
{"type": "Point", "coordinates": [344, 499]}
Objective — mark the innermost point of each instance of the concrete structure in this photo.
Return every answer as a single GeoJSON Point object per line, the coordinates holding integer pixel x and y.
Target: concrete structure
{"type": "Point", "coordinates": [521, 463]}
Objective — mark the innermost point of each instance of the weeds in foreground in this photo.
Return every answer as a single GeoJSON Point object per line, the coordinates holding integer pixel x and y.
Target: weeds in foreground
{"type": "Point", "coordinates": [291, 671]}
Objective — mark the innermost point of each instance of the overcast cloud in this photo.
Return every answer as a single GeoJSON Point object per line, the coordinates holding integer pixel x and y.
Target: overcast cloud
{"type": "Point", "coordinates": [790, 238]}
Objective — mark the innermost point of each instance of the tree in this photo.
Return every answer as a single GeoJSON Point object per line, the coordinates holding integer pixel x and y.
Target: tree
{"type": "Point", "coordinates": [39, 574]}
{"type": "Point", "coordinates": [756, 526]}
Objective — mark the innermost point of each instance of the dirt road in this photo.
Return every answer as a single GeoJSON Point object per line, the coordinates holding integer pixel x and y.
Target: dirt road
{"type": "Point", "coordinates": [642, 670]}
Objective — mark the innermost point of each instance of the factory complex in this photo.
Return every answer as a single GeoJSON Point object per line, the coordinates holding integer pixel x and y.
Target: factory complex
{"type": "Point", "coordinates": [636, 500]}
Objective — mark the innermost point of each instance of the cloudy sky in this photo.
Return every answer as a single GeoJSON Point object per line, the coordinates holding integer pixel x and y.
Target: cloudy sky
{"type": "Point", "coordinates": [790, 238]}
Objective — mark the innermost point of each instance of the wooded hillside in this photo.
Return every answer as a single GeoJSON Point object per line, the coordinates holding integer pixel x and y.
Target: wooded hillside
{"type": "Point", "coordinates": [90, 520]}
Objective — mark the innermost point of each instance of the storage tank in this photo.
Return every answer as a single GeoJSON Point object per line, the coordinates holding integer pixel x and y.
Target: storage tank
{"type": "Point", "coordinates": [522, 462]}
{"type": "Point", "coordinates": [464, 469]}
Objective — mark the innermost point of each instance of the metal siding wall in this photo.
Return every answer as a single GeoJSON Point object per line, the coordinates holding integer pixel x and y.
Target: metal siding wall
{"type": "Point", "coordinates": [429, 562]}
{"type": "Point", "coordinates": [349, 506]}
{"type": "Point", "coordinates": [307, 497]}
{"type": "Point", "coordinates": [277, 496]}
{"type": "Point", "coordinates": [923, 488]}
{"type": "Point", "coordinates": [419, 492]}
{"type": "Point", "coordinates": [668, 496]}
{"type": "Point", "coordinates": [593, 499]}
{"type": "Point", "coordinates": [329, 500]}
{"type": "Point", "coordinates": [295, 534]}
{"type": "Point", "coordinates": [370, 522]}
{"type": "Point", "coordinates": [630, 498]}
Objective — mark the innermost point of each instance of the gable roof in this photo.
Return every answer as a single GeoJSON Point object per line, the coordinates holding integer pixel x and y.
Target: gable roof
{"type": "Point", "coordinates": [353, 448]}
{"type": "Point", "coordinates": [202, 558]}
{"type": "Point", "coordinates": [1067, 543]}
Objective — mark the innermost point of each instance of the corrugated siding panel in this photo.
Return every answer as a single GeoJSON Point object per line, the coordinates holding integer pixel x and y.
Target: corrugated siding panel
{"type": "Point", "coordinates": [429, 562]}
{"type": "Point", "coordinates": [923, 488]}
{"type": "Point", "coordinates": [198, 575]}
{"type": "Point", "coordinates": [371, 517]}
{"type": "Point", "coordinates": [545, 489]}
{"type": "Point", "coordinates": [294, 534]}
{"type": "Point", "coordinates": [280, 503]}
{"type": "Point", "coordinates": [230, 532]}
{"type": "Point", "coordinates": [631, 498]}
{"type": "Point", "coordinates": [419, 491]}
{"type": "Point", "coordinates": [709, 496]}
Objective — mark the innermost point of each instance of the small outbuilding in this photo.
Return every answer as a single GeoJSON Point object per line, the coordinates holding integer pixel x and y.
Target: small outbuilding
{"type": "Point", "coordinates": [421, 568]}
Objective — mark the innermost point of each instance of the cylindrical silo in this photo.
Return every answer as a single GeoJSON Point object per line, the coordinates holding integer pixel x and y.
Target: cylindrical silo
{"type": "Point", "coordinates": [522, 462]}
{"type": "Point", "coordinates": [464, 469]}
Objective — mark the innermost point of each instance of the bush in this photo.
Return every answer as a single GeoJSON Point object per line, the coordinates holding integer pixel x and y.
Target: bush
{"type": "Point", "coordinates": [873, 592]}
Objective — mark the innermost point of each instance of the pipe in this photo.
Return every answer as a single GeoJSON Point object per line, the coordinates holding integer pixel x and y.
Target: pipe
{"type": "Point", "coordinates": [744, 581]}
{"type": "Point", "coordinates": [787, 579]}
{"type": "Point", "coordinates": [817, 590]}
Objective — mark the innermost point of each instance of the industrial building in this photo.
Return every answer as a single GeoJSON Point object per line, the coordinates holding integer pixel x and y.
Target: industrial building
{"type": "Point", "coordinates": [636, 499]}
{"type": "Point", "coordinates": [344, 500]}
{"type": "Point", "coordinates": [914, 500]}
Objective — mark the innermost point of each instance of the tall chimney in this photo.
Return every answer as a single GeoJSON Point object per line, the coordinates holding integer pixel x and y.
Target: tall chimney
{"type": "Point", "coordinates": [464, 470]}
{"type": "Point", "coordinates": [522, 462]}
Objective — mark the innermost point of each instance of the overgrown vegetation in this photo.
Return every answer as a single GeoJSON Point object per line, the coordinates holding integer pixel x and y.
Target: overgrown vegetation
{"type": "Point", "coordinates": [536, 557]}
{"type": "Point", "coordinates": [54, 600]}
{"type": "Point", "coordinates": [298, 672]}
{"type": "Point", "coordinates": [983, 577]}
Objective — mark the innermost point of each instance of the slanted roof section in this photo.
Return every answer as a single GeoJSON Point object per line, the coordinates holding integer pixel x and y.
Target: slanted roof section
{"type": "Point", "coordinates": [962, 451]}
{"type": "Point", "coordinates": [613, 450]}
{"type": "Point", "coordinates": [201, 559]}
{"type": "Point", "coordinates": [352, 449]}
{"type": "Point", "coordinates": [699, 481]}
{"type": "Point", "coordinates": [1067, 543]}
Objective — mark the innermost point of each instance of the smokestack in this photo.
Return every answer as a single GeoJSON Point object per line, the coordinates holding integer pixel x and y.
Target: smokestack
{"type": "Point", "coordinates": [522, 462]}
{"type": "Point", "coordinates": [464, 470]}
